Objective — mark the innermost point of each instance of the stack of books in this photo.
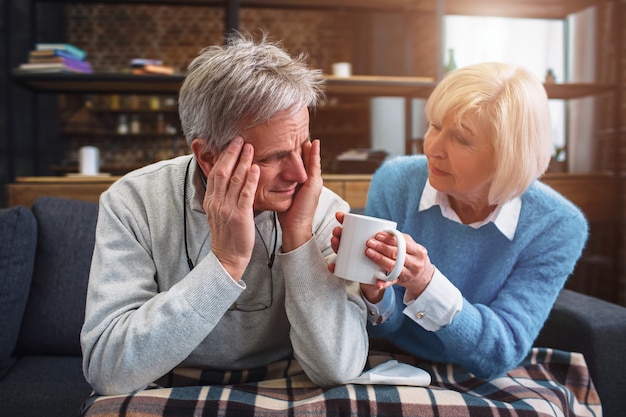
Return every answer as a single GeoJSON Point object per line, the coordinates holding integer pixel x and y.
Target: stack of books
{"type": "Point", "coordinates": [56, 57]}
{"type": "Point", "coordinates": [150, 66]}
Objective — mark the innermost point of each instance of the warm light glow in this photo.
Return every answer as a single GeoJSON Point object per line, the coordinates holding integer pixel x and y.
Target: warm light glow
{"type": "Point", "coordinates": [536, 44]}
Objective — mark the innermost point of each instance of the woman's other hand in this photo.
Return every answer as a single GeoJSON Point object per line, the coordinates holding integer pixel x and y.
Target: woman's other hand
{"type": "Point", "coordinates": [416, 273]}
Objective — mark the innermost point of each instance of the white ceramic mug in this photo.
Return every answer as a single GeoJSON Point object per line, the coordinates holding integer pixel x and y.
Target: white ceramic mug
{"type": "Point", "coordinates": [342, 69]}
{"type": "Point", "coordinates": [352, 263]}
{"type": "Point", "coordinates": [89, 160]}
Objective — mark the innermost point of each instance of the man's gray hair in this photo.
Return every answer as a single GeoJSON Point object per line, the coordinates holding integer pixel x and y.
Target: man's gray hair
{"type": "Point", "coordinates": [234, 87]}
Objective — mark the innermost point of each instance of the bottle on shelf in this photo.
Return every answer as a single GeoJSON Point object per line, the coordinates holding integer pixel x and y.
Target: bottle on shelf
{"type": "Point", "coordinates": [451, 63]}
{"type": "Point", "coordinates": [122, 124]}
{"type": "Point", "coordinates": [134, 101]}
{"type": "Point", "coordinates": [160, 127]}
{"type": "Point", "coordinates": [135, 124]}
{"type": "Point", "coordinates": [114, 102]}
{"type": "Point", "coordinates": [550, 77]}
{"type": "Point", "coordinates": [155, 103]}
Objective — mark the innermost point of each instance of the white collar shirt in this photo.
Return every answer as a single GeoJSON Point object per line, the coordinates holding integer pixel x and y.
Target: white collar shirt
{"type": "Point", "coordinates": [505, 217]}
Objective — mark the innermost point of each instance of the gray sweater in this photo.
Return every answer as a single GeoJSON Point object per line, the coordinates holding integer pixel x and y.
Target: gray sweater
{"type": "Point", "coordinates": [147, 313]}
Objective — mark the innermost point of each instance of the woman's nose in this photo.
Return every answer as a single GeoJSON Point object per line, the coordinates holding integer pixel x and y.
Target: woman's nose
{"type": "Point", "coordinates": [433, 144]}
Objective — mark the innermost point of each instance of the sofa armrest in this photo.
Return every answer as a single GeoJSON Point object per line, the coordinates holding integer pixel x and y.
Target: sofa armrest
{"type": "Point", "coordinates": [597, 329]}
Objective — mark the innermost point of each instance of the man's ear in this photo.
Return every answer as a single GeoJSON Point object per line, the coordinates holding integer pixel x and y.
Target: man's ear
{"type": "Point", "coordinates": [205, 158]}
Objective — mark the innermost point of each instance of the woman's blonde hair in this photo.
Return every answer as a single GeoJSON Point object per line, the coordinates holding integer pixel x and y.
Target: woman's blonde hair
{"type": "Point", "coordinates": [514, 103]}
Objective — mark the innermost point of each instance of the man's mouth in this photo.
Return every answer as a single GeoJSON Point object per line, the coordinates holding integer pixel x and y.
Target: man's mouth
{"type": "Point", "coordinates": [288, 191]}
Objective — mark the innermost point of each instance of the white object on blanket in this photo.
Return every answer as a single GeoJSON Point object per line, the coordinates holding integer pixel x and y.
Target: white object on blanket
{"type": "Point", "coordinates": [394, 373]}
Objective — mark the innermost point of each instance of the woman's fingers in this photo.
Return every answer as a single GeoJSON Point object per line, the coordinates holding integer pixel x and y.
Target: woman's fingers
{"type": "Point", "coordinates": [383, 245]}
{"type": "Point", "coordinates": [383, 250]}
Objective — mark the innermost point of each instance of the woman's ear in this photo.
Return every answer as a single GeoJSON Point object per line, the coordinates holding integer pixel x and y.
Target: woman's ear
{"type": "Point", "coordinates": [205, 158]}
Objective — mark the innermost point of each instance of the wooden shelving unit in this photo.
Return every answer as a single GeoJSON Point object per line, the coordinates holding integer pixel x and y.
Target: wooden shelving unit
{"type": "Point", "coordinates": [609, 210]}
{"type": "Point", "coordinates": [114, 83]}
{"type": "Point", "coordinates": [366, 86]}
{"type": "Point", "coordinates": [416, 87]}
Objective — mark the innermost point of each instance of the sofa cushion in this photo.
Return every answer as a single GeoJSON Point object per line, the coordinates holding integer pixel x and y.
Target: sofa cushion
{"type": "Point", "coordinates": [56, 305]}
{"type": "Point", "coordinates": [18, 239]}
{"type": "Point", "coordinates": [597, 329]}
{"type": "Point", "coordinates": [50, 386]}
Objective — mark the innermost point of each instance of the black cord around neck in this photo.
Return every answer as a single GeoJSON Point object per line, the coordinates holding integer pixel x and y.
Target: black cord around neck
{"type": "Point", "coordinates": [271, 257]}
{"type": "Point", "coordinates": [270, 264]}
{"type": "Point", "coordinates": [189, 262]}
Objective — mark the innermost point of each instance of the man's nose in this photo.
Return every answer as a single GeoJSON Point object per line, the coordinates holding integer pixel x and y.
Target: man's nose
{"type": "Point", "coordinates": [294, 169]}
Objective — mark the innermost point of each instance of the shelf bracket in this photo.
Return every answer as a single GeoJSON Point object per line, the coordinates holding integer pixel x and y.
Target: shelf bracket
{"type": "Point", "coordinates": [231, 16]}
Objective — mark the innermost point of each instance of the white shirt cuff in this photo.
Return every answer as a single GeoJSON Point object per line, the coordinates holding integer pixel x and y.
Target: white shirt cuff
{"type": "Point", "coordinates": [379, 312]}
{"type": "Point", "coordinates": [437, 306]}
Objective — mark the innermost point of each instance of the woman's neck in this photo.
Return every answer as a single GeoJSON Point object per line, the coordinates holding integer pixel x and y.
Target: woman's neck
{"type": "Point", "coordinates": [471, 211]}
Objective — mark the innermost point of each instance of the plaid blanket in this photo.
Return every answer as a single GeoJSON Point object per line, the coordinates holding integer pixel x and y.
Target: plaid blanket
{"type": "Point", "coordinates": [548, 383]}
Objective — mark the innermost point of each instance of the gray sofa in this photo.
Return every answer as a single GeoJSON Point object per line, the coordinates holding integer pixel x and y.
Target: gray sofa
{"type": "Point", "coordinates": [45, 255]}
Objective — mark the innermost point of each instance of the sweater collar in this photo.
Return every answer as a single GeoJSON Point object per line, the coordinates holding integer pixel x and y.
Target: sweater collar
{"type": "Point", "coordinates": [505, 217]}
{"type": "Point", "coordinates": [196, 184]}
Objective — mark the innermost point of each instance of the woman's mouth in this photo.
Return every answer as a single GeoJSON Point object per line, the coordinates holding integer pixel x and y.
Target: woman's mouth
{"type": "Point", "coordinates": [437, 172]}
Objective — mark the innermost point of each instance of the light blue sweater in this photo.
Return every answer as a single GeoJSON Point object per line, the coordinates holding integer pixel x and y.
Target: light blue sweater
{"type": "Point", "coordinates": [508, 286]}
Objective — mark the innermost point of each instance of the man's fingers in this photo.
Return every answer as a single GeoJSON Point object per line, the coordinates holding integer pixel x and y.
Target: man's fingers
{"type": "Point", "coordinates": [313, 162]}
{"type": "Point", "coordinates": [246, 197]}
{"type": "Point", "coordinates": [218, 179]}
{"type": "Point", "coordinates": [239, 177]}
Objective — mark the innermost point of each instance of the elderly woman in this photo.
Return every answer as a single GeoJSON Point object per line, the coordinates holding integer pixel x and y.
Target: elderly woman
{"type": "Point", "coordinates": [217, 260]}
{"type": "Point", "coordinates": [488, 246]}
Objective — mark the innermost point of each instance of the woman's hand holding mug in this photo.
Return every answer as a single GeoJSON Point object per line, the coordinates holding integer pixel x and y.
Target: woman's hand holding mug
{"type": "Point", "coordinates": [367, 247]}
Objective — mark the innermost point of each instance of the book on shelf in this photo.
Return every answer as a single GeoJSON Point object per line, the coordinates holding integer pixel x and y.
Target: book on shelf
{"type": "Point", "coordinates": [141, 62]}
{"type": "Point", "coordinates": [67, 47]}
{"type": "Point", "coordinates": [153, 69]}
{"type": "Point", "coordinates": [51, 67]}
{"type": "Point", "coordinates": [35, 55]}
{"type": "Point", "coordinates": [69, 61]}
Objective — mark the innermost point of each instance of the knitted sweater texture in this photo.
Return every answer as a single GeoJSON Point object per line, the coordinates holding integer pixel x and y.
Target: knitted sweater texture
{"type": "Point", "coordinates": [508, 286]}
{"type": "Point", "coordinates": [147, 313]}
